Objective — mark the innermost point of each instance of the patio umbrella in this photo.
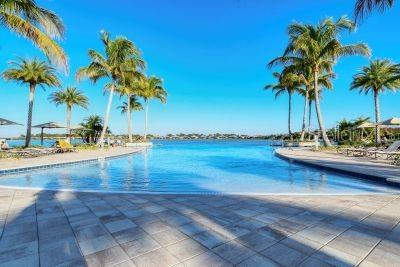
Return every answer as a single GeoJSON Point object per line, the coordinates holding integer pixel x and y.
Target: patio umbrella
{"type": "Point", "coordinates": [7, 122]}
{"type": "Point", "coordinates": [390, 122]}
{"type": "Point", "coordinates": [48, 125]}
{"type": "Point", "coordinates": [365, 125]}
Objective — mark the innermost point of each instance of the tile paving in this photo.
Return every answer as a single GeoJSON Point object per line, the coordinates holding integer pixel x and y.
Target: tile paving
{"type": "Point", "coordinates": [54, 228]}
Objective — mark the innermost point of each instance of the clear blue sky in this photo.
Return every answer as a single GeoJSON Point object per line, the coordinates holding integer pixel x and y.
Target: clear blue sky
{"type": "Point", "coordinates": [212, 56]}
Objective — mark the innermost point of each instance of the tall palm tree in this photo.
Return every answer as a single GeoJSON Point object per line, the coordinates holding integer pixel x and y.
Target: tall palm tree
{"type": "Point", "coordinates": [121, 59]}
{"type": "Point", "coordinates": [127, 107]}
{"type": "Point", "coordinates": [39, 25]}
{"type": "Point", "coordinates": [379, 76]}
{"type": "Point", "coordinates": [290, 83]}
{"type": "Point", "coordinates": [130, 88]}
{"type": "Point", "coordinates": [34, 73]}
{"type": "Point", "coordinates": [363, 7]}
{"type": "Point", "coordinates": [71, 96]}
{"type": "Point", "coordinates": [152, 88]}
{"type": "Point", "coordinates": [318, 45]}
{"type": "Point", "coordinates": [306, 75]}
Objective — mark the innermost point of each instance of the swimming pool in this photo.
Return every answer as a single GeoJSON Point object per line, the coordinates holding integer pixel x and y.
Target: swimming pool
{"type": "Point", "coordinates": [198, 167]}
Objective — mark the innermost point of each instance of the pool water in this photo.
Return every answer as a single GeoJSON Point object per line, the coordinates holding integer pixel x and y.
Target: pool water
{"type": "Point", "coordinates": [198, 167]}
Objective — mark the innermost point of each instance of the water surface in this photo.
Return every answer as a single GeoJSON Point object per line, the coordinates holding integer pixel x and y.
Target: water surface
{"type": "Point", "coordinates": [198, 167]}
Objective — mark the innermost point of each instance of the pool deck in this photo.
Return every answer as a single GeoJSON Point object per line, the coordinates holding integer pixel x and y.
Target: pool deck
{"type": "Point", "coordinates": [54, 228]}
{"type": "Point", "coordinates": [66, 158]}
{"type": "Point", "coordinates": [357, 166]}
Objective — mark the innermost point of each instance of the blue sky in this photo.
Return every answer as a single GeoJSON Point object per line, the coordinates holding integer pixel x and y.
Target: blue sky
{"type": "Point", "coordinates": [212, 56]}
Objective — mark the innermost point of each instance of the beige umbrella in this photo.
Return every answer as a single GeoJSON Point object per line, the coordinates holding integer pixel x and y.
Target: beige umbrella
{"type": "Point", "coordinates": [390, 122]}
{"type": "Point", "coordinates": [365, 125]}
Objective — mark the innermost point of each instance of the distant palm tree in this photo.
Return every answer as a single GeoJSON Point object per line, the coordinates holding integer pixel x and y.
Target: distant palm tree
{"type": "Point", "coordinates": [379, 76]}
{"type": "Point", "coordinates": [121, 59]}
{"type": "Point", "coordinates": [39, 25]}
{"type": "Point", "coordinates": [126, 108]}
{"type": "Point", "coordinates": [70, 97]}
{"type": "Point", "coordinates": [34, 73]}
{"type": "Point", "coordinates": [363, 7]}
{"type": "Point", "coordinates": [317, 45]}
{"type": "Point", "coordinates": [152, 88]}
{"type": "Point", "coordinates": [290, 83]}
{"type": "Point", "coordinates": [93, 126]}
{"type": "Point", "coordinates": [130, 88]}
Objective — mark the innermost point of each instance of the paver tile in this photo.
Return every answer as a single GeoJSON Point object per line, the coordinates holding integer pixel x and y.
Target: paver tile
{"type": "Point", "coordinates": [140, 246]}
{"type": "Point", "coordinates": [169, 237]}
{"type": "Point", "coordinates": [192, 228]}
{"type": "Point", "coordinates": [257, 260]}
{"type": "Point", "coordinates": [119, 225]}
{"type": "Point", "coordinates": [284, 255]}
{"type": "Point", "coordinates": [207, 259]}
{"type": "Point", "coordinates": [233, 251]}
{"type": "Point", "coordinates": [129, 234]}
{"type": "Point", "coordinates": [157, 258]}
{"type": "Point", "coordinates": [186, 249]}
{"type": "Point", "coordinates": [96, 244]}
{"type": "Point", "coordinates": [107, 257]}
{"type": "Point", "coordinates": [256, 241]}
{"type": "Point", "coordinates": [210, 239]}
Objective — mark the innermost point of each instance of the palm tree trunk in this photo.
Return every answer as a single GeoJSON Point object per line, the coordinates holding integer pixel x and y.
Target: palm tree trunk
{"type": "Point", "coordinates": [107, 116]}
{"type": "Point", "coordinates": [146, 111]}
{"type": "Point", "coordinates": [303, 127]}
{"type": "Point", "coordinates": [319, 114]}
{"type": "Point", "coordinates": [290, 115]}
{"type": "Point", "coordinates": [30, 111]}
{"type": "Point", "coordinates": [309, 118]}
{"type": "Point", "coordinates": [377, 118]}
{"type": "Point", "coordinates": [69, 123]}
{"type": "Point", "coordinates": [129, 118]}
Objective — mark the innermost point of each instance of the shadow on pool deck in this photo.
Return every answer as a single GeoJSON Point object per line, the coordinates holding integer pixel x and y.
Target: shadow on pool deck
{"type": "Point", "coordinates": [104, 229]}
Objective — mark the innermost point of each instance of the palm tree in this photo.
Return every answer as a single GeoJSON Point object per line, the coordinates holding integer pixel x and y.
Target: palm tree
{"type": "Point", "coordinates": [39, 25]}
{"type": "Point", "coordinates": [152, 88]}
{"type": "Point", "coordinates": [290, 83]}
{"type": "Point", "coordinates": [126, 108]}
{"type": "Point", "coordinates": [317, 46]}
{"type": "Point", "coordinates": [121, 59]}
{"type": "Point", "coordinates": [93, 126]}
{"type": "Point", "coordinates": [379, 76]}
{"type": "Point", "coordinates": [34, 73]}
{"type": "Point", "coordinates": [363, 7]}
{"type": "Point", "coordinates": [70, 97]}
{"type": "Point", "coordinates": [306, 75]}
{"type": "Point", "coordinates": [131, 89]}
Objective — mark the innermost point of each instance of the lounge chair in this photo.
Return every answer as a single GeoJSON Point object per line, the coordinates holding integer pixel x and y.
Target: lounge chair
{"type": "Point", "coordinates": [390, 152]}
{"type": "Point", "coordinates": [64, 146]}
{"type": "Point", "coordinates": [355, 152]}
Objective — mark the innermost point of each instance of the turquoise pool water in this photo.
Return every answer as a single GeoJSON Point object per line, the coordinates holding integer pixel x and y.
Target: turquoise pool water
{"type": "Point", "coordinates": [197, 167]}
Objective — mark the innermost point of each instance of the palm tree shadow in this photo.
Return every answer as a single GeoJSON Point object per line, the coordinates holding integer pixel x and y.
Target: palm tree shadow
{"type": "Point", "coordinates": [41, 222]}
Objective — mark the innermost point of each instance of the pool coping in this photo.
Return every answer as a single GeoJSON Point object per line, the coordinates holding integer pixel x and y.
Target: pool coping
{"type": "Point", "coordinates": [5, 187]}
{"type": "Point", "coordinates": [371, 177]}
{"type": "Point", "coordinates": [63, 164]}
